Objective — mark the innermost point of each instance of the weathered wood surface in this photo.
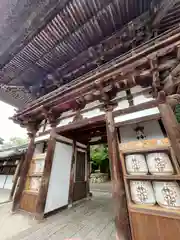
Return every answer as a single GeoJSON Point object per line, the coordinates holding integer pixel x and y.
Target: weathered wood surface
{"type": "Point", "coordinates": [121, 68]}
{"type": "Point", "coordinates": [118, 190]}
{"type": "Point", "coordinates": [172, 127]}
{"type": "Point", "coordinates": [23, 174]}
{"type": "Point", "coordinates": [16, 177]}
{"type": "Point", "coordinates": [90, 220]}
{"type": "Point", "coordinates": [165, 6]}
{"type": "Point", "coordinates": [71, 183]}
{"type": "Point", "coordinates": [46, 176]}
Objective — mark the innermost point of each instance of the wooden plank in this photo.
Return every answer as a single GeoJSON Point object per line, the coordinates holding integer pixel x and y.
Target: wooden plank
{"type": "Point", "coordinates": [79, 191]}
{"type": "Point", "coordinates": [153, 177]}
{"type": "Point", "coordinates": [146, 226]}
{"type": "Point", "coordinates": [72, 173]}
{"type": "Point", "coordinates": [171, 81]}
{"type": "Point", "coordinates": [41, 201]}
{"type": "Point", "coordinates": [16, 176]}
{"type": "Point", "coordinates": [172, 127]}
{"type": "Point", "coordinates": [118, 192]}
{"type": "Point", "coordinates": [88, 173]}
{"type": "Point", "coordinates": [23, 173]}
{"type": "Point", "coordinates": [28, 202]}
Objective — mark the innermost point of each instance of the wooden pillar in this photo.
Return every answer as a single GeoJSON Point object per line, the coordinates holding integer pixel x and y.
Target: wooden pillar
{"type": "Point", "coordinates": [72, 174]}
{"type": "Point", "coordinates": [172, 127]}
{"type": "Point", "coordinates": [88, 172]}
{"type": "Point", "coordinates": [24, 171]}
{"type": "Point", "coordinates": [118, 190]}
{"type": "Point", "coordinates": [16, 176]}
{"type": "Point", "coordinates": [41, 201]}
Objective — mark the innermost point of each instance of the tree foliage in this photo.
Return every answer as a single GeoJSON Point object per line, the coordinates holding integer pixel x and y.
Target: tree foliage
{"type": "Point", "coordinates": [14, 142]}
{"type": "Point", "coordinates": [177, 112]}
{"type": "Point", "coordinates": [99, 157]}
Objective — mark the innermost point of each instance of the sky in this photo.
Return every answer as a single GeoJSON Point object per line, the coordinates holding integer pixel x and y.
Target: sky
{"type": "Point", "coordinates": [8, 128]}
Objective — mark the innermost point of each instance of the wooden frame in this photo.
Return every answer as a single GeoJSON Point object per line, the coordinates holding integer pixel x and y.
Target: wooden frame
{"type": "Point", "coordinates": [140, 211]}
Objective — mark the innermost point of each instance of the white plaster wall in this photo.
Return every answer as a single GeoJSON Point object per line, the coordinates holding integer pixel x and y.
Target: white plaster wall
{"type": "Point", "coordinates": [122, 104]}
{"type": "Point", "coordinates": [141, 99]}
{"type": "Point", "coordinates": [93, 113]}
{"type": "Point", "coordinates": [91, 104]}
{"type": "Point", "coordinates": [2, 180]}
{"type": "Point", "coordinates": [130, 116]}
{"type": "Point", "coordinates": [39, 148]}
{"type": "Point", "coordinates": [138, 89]}
{"type": "Point", "coordinates": [9, 182]}
{"type": "Point", "coordinates": [58, 190]}
{"type": "Point", "coordinates": [152, 130]}
{"type": "Point", "coordinates": [42, 138]}
{"type": "Point", "coordinates": [121, 94]}
{"type": "Point", "coordinates": [65, 121]}
{"type": "Point", "coordinates": [64, 114]}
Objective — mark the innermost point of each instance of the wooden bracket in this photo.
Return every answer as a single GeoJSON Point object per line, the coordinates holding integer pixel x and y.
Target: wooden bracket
{"type": "Point", "coordinates": [50, 115]}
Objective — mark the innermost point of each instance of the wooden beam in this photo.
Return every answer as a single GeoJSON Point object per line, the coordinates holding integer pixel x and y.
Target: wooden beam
{"type": "Point", "coordinates": [16, 177]}
{"type": "Point", "coordinates": [155, 75]}
{"type": "Point", "coordinates": [23, 173]}
{"type": "Point", "coordinates": [81, 123]}
{"type": "Point", "coordinates": [88, 173]}
{"type": "Point", "coordinates": [165, 6]}
{"type": "Point", "coordinates": [172, 127]}
{"type": "Point", "coordinates": [101, 118]}
{"type": "Point", "coordinates": [118, 190]}
{"type": "Point", "coordinates": [84, 84]}
{"type": "Point", "coordinates": [171, 81]}
{"type": "Point", "coordinates": [41, 201]}
{"type": "Point", "coordinates": [72, 174]}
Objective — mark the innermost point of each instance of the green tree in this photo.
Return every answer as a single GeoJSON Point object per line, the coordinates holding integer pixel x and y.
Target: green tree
{"type": "Point", "coordinates": [14, 142]}
{"type": "Point", "coordinates": [99, 157]}
{"type": "Point", "coordinates": [177, 112]}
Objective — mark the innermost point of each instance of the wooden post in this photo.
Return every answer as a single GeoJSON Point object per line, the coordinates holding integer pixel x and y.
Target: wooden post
{"type": "Point", "coordinates": [118, 190]}
{"type": "Point", "coordinates": [23, 172]}
{"type": "Point", "coordinates": [16, 176]}
{"type": "Point", "coordinates": [41, 201]}
{"type": "Point", "coordinates": [172, 127]}
{"type": "Point", "coordinates": [89, 194]}
{"type": "Point", "coordinates": [72, 173]}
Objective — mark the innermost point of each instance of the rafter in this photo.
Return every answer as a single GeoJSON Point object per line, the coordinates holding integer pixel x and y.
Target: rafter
{"type": "Point", "coordinates": [124, 73]}
{"type": "Point", "coordinates": [164, 7]}
{"type": "Point", "coordinates": [172, 81]}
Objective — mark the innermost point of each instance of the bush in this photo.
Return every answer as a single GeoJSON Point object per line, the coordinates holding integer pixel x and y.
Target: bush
{"type": "Point", "coordinates": [99, 158]}
{"type": "Point", "coordinates": [177, 112]}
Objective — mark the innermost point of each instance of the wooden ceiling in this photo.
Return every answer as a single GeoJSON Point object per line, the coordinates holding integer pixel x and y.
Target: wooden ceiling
{"type": "Point", "coordinates": [47, 44]}
{"type": "Point", "coordinates": [41, 38]}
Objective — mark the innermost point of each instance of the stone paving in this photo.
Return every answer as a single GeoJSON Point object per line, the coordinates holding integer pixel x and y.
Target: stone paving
{"type": "Point", "coordinates": [89, 220]}
{"type": "Point", "coordinates": [12, 224]}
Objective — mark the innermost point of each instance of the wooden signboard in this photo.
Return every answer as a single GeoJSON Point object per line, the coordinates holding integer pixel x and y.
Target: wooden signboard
{"type": "Point", "coordinates": [144, 144]}
{"type": "Point", "coordinates": [153, 197]}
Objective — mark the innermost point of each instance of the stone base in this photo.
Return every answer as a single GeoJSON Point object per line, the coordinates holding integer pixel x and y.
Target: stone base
{"type": "Point", "coordinates": [99, 177]}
